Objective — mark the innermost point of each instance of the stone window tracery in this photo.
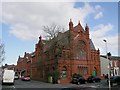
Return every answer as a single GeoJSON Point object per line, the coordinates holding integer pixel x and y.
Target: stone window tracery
{"type": "Point", "coordinates": [80, 50]}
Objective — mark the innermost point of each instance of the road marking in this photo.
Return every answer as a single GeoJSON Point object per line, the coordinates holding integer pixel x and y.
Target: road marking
{"type": "Point", "coordinates": [13, 86]}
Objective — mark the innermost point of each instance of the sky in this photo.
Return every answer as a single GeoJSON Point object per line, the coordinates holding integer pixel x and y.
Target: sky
{"type": "Point", "coordinates": [22, 23]}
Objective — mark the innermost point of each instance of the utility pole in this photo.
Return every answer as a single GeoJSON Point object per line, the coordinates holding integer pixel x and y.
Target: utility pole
{"type": "Point", "coordinates": [108, 65]}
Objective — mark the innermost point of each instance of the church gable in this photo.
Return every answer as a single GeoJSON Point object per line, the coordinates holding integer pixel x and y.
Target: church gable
{"type": "Point", "coordinates": [78, 28]}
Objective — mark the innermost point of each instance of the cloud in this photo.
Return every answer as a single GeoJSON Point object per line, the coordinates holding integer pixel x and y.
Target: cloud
{"type": "Point", "coordinates": [27, 18]}
{"type": "Point", "coordinates": [22, 31]}
{"type": "Point", "coordinates": [99, 33]}
{"type": "Point", "coordinates": [98, 12]}
{"type": "Point", "coordinates": [98, 7]}
{"type": "Point", "coordinates": [101, 30]}
{"type": "Point", "coordinates": [99, 15]}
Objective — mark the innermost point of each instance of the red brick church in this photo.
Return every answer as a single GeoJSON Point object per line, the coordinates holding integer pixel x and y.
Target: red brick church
{"type": "Point", "coordinates": [69, 53]}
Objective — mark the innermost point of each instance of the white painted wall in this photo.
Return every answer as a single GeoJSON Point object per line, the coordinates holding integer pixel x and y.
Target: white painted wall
{"type": "Point", "coordinates": [104, 65]}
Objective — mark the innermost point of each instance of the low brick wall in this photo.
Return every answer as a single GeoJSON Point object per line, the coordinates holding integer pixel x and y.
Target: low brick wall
{"type": "Point", "coordinates": [64, 81]}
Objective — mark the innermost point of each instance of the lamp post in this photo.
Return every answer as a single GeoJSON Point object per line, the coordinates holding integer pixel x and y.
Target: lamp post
{"type": "Point", "coordinates": [108, 65]}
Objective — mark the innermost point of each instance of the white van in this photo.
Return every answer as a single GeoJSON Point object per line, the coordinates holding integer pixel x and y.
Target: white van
{"type": "Point", "coordinates": [8, 76]}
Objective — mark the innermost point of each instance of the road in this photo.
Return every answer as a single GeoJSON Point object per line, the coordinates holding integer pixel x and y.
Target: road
{"type": "Point", "coordinates": [21, 85]}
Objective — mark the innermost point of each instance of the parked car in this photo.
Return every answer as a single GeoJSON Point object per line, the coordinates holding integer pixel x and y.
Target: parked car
{"type": "Point", "coordinates": [16, 77]}
{"type": "Point", "coordinates": [92, 79]}
{"type": "Point", "coordinates": [25, 78]}
{"type": "Point", "coordinates": [114, 80]}
{"type": "Point", "coordinates": [78, 80]}
{"type": "Point", "coordinates": [81, 80]}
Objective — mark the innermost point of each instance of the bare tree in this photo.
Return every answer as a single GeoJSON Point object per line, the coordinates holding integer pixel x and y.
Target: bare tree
{"type": "Point", "coordinates": [52, 30]}
{"type": "Point", "coordinates": [2, 53]}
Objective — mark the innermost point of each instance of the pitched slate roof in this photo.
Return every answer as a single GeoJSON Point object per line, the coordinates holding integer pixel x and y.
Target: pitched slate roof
{"type": "Point", "coordinates": [62, 40]}
{"type": "Point", "coordinates": [111, 57]}
{"type": "Point", "coordinates": [114, 58]}
{"type": "Point", "coordinates": [92, 47]}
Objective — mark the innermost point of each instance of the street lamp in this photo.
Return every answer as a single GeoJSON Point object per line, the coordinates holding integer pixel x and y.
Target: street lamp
{"type": "Point", "coordinates": [108, 65]}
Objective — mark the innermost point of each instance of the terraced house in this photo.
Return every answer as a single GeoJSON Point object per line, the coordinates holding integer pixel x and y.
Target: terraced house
{"type": "Point", "coordinates": [23, 67]}
{"type": "Point", "coordinates": [66, 54]}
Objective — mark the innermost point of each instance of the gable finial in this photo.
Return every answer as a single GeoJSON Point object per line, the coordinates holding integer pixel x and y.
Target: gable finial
{"type": "Point", "coordinates": [86, 27]}
{"type": "Point", "coordinates": [79, 22]}
{"type": "Point", "coordinates": [40, 38]}
{"type": "Point", "coordinates": [70, 20]}
{"type": "Point", "coordinates": [70, 24]}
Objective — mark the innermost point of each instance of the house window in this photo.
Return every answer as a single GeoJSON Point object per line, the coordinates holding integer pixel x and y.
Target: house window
{"type": "Point", "coordinates": [28, 61]}
{"type": "Point", "coordinates": [111, 65]}
{"type": "Point", "coordinates": [82, 70]}
{"type": "Point", "coordinates": [115, 62]}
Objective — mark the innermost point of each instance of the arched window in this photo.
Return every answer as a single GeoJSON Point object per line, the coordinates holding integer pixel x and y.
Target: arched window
{"type": "Point", "coordinates": [80, 50]}
{"type": "Point", "coordinates": [63, 72]}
